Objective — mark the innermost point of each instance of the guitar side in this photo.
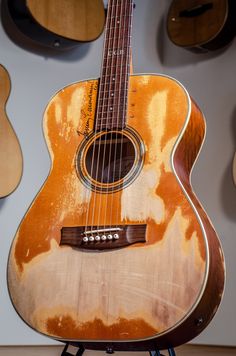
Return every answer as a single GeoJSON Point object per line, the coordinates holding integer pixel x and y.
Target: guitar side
{"type": "Point", "coordinates": [11, 160]}
{"type": "Point", "coordinates": [159, 292]}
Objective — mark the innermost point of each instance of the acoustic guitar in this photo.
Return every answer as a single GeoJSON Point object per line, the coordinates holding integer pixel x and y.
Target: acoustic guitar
{"type": "Point", "coordinates": [60, 24]}
{"type": "Point", "coordinates": [10, 152]}
{"type": "Point", "coordinates": [115, 251]}
{"type": "Point", "coordinates": [201, 25]}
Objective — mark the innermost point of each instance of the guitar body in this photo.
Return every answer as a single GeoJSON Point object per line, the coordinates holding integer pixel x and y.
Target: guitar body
{"type": "Point", "coordinates": [201, 25]}
{"type": "Point", "coordinates": [10, 152]}
{"type": "Point", "coordinates": [159, 290]}
{"type": "Point", "coordinates": [54, 24]}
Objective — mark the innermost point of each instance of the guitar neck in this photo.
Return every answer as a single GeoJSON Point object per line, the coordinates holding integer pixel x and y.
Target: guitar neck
{"type": "Point", "coordinates": [113, 90]}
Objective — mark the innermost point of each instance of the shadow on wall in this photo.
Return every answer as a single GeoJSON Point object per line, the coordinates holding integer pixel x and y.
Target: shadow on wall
{"type": "Point", "coordinates": [228, 188]}
{"type": "Point", "coordinates": [2, 202]}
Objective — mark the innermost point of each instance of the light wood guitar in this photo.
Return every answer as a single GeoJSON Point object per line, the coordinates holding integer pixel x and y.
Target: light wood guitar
{"type": "Point", "coordinates": [115, 251]}
{"type": "Point", "coordinates": [10, 151]}
{"type": "Point", "coordinates": [60, 24]}
{"type": "Point", "coordinates": [201, 25]}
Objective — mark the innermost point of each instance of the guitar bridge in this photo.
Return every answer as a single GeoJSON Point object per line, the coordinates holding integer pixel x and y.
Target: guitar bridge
{"type": "Point", "coordinates": [103, 238]}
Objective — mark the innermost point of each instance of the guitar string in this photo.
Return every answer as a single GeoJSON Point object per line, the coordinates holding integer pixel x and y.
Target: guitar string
{"type": "Point", "coordinates": [91, 205]}
{"type": "Point", "coordinates": [102, 119]}
{"type": "Point", "coordinates": [116, 100]}
{"type": "Point", "coordinates": [122, 37]}
{"type": "Point", "coordinates": [110, 104]}
{"type": "Point", "coordinates": [127, 39]}
{"type": "Point", "coordinates": [114, 73]}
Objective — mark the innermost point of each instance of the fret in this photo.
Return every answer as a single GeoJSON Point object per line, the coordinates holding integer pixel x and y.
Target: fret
{"type": "Point", "coordinates": [115, 109]}
{"type": "Point", "coordinates": [118, 17]}
{"type": "Point", "coordinates": [116, 27]}
{"type": "Point", "coordinates": [112, 105]}
{"type": "Point", "coordinates": [109, 85]}
{"type": "Point", "coordinates": [102, 99]}
{"type": "Point", "coordinates": [112, 83]}
{"type": "Point", "coordinates": [127, 65]}
{"type": "Point", "coordinates": [117, 54]}
{"type": "Point", "coordinates": [118, 90]}
{"type": "Point", "coordinates": [120, 125]}
{"type": "Point", "coordinates": [118, 4]}
{"type": "Point", "coordinates": [119, 76]}
{"type": "Point", "coordinates": [114, 122]}
{"type": "Point", "coordinates": [103, 120]}
{"type": "Point", "coordinates": [115, 91]}
{"type": "Point", "coordinates": [111, 122]}
{"type": "Point", "coordinates": [110, 115]}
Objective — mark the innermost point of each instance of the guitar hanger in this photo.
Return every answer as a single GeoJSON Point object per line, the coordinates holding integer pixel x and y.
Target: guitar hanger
{"type": "Point", "coordinates": [80, 350]}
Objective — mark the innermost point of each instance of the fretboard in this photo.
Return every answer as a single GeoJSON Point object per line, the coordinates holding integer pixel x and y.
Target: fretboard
{"type": "Point", "coordinates": [113, 87]}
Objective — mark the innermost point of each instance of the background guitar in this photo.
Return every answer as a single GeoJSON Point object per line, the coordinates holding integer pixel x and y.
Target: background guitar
{"type": "Point", "coordinates": [10, 151]}
{"type": "Point", "coordinates": [201, 25]}
{"type": "Point", "coordinates": [60, 24]}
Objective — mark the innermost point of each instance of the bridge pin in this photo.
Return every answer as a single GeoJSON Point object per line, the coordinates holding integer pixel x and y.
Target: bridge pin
{"type": "Point", "coordinates": [91, 238]}
{"type": "Point", "coordinates": [103, 237]}
{"type": "Point", "coordinates": [116, 236]}
{"type": "Point", "coordinates": [97, 238]}
{"type": "Point", "coordinates": [110, 237]}
{"type": "Point", "coordinates": [85, 239]}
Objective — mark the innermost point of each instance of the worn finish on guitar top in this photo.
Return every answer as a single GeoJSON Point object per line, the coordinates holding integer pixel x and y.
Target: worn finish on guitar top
{"type": "Point", "coordinates": [146, 290]}
{"type": "Point", "coordinates": [10, 152]}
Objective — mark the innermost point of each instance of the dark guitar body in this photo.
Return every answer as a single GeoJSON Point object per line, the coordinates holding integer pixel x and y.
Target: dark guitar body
{"type": "Point", "coordinates": [202, 25]}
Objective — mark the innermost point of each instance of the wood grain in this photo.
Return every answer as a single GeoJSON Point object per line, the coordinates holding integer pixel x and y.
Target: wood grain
{"type": "Point", "coordinates": [147, 294]}
{"type": "Point", "coordinates": [209, 30]}
{"type": "Point", "coordinates": [10, 152]}
{"type": "Point", "coordinates": [79, 20]}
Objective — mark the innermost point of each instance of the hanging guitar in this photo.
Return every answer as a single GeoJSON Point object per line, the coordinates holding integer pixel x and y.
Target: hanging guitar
{"type": "Point", "coordinates": [10, 152]}
{"type": "Point", "coordinates": [115, 251]}
{"type": "Point", "coordinates": [60, 24]}
{"type": "Point", "coordinates": [201, 25]}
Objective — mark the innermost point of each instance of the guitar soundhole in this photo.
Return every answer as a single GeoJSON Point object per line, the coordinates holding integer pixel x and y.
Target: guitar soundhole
{"type": "Point", "coordinates": [110, 157]}
{"type": "Point", "coordinates": [110, 160]}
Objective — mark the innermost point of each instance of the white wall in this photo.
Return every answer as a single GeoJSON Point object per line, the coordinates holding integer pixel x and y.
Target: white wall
{"type": "Point", "coordinates": [210, 79]}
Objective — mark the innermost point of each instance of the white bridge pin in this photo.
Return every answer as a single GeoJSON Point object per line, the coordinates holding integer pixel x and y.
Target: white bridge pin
{"type": "Point", "coordinates": [103, 237]}
{"type": "Point", "coordinates": [110, 237]}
